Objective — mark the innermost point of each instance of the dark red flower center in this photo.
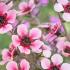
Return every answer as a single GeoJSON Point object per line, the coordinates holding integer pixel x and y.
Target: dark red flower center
{"type": "Point", "coordinates": [67, 8]}
{"type": "Point", "coordinates": [67, 49]}
{"type": "Point", "coordinates": [26, 41]}
{"type": "Point", "coordinates": [3, 20]}
{"type": "Point", "coordinates": [55, 68]}
{"type": "Point", "coordinates": [27, 9]}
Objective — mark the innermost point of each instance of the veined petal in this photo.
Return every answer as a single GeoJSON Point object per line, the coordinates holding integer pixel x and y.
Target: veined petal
{"type": "Point", "coordinates": [58, 7]}
{"type": "Point", "coordinates": [6, 29]}
{"type": "Point", "coordinates": [11, 16]}
{"type": "Point", "coordinates": [66, 17]}
{"type": "Point", "coordinates": [47, 53]}
{"type": "Point", "coordinates": [35, 33]}
{"type": "Point", "coordinates": [24, 50]}
{"type": "Point", "coordinates": [57, 59]}
{"type": "Point", "coordinates": [22, 30]}
{"type": "Point", "coordinates": [24, 65]}
{"type": "Point", "coordinates": [12, 65]}
{"type": "Point", "coordinates": [63, 2]}
{"type": "Point", "coordinates": [15, 40]}
{"type": "Point", "coordinates": [45, 63]}
{"type": "Point", "coordinates": [36, 45]}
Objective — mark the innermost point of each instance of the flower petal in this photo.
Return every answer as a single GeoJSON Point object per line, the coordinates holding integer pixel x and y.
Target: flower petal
{"type": "Point", "coordinates": [22, 30]}
{"type": "Point", "coordinates": [60, 45]}
{"type": "Point", "coordinates": [63, 2]}
{"type": "Point", "coordinates": [36, 45]}
{"type": "Point", "coordinates": [65, 66]}
{"type": "Point", "coordinates": [10, 5]}
{"type": "Point", "coordinates": [35, 33]}
{"type": "Point", "coordinates": [22, 6]}
{"type": "Point", "coordinates": [15, 40]}
{"type": "Point", "coordinates": [66, 17]}
{"type": "Point", "coordinates": [24, 64]}
{"type": "Point", "coordinates": [24, 50]}
{"type": "Point", "coordinates": [12, 65]}
{"type": "Point", "coordinates": [58, 7]}
{"type": "Point", "coordinates": [57, 59]}
{"type": "Point", "coordinates": [11, 16]}
{"type": "Point", "coordinates": [3, 7]}
{"type": "Point", "coordinates": [47, 53]}
{"type": "Point", "coordinates": [45, 63]}
{"type": "Point", "coordinates": [6, 29]}
{"type": "Point", "coordinates": [6, 55]}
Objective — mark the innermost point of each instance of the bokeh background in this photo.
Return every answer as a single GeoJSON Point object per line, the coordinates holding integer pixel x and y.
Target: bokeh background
{"type": "Point", "coordinates": [43, 17]}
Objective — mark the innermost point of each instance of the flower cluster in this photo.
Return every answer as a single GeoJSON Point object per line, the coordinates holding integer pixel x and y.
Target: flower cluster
{"type": "Point", "coordinates": [35, 45]}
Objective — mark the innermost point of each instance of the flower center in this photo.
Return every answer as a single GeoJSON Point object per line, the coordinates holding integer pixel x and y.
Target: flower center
{"type": "Point", "coordinates": [67, 49]}
{"type": "Point", "coordinates": [26, 41]}
{"type": "Point", "coordinates": [55, 68]}
{"type": "Point", "coordinates": [26, 9]}
{"type": "Point", "coordinates": [67, 8]}
{"type": "Point", "coordinates": [3, 20]}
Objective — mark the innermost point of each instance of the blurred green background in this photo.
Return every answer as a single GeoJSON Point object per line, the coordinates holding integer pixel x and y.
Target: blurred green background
{"type": "Point", "coordinates": [44, 11]}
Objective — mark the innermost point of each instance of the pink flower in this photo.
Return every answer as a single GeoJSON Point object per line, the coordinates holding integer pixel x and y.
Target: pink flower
{"type": "Point", "coordinates": [55, 63]}
{"type": "Point", "coordinates": [8, 54]}
{"type": "Point", "coordinates": [12, 65]}
{"type": "Point", "coordinates": [63, 6]}
{"type": "Point", "coordinates": [6, 17]}
{"type": "Point", "coordinates": [53, 29]}
{"type": "Point", "coordinates": [27, 39]}
{"type": "Point", "coordinates": [26, 8]}
{"type": "Point", "coordinates": [64, 48]}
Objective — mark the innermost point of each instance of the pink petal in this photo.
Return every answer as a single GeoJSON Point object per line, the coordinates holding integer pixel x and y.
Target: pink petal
{"type": "Point", "coordinates": [11, 16]}
{"type": "Point", "coordinates": [47, 53]}
{"type": "Point", "coordinates": [60, 45]}
{"type": "Point", "coordinates": [63, 2]}
{"type": "Point", "coordinates": [36, 45]}
{"type": "Point", "coordinates": [22, 6]}
{"type": "Point", "coordinates": [24, 50]}
{"type": "Point", "coordinates": [15, 40]}
{"type": "Point", "coordinates": [24, 65]}
{"type": "Point", "coordinates": [65, 54]}
{"type": "Point", "coordinates": [57, 59]}
{"type": "Point", "coordinates": [58, 7]}
{"type": "Point", "coordinates": [66, 17]}
{"type": "Point", "coordinates": [65, 66]}
{"type": "Point", "coordinates": [12, 65]}
{"type": "Point", "coordinates": [11, 47]}
{"type": "Point", "coordinates": [35, 33]}
{"type": "Point", "coordinates": [45, 63]}
{"type": "Point", "coordinates": [22, 30]}
{"type": "Point", "coordinates": [6, 55]}
{"type": "Point", "coordinates": [3, 7]}
{"type": "Point", "coordinates": [6, 29]}
{"type": "Point", "coordinates": [10, 5]}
